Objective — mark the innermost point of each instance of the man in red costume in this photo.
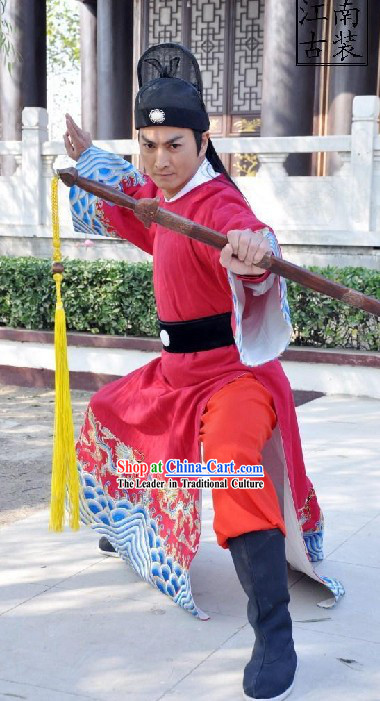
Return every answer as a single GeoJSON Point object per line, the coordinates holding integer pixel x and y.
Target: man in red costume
{"type": "Point", "coordinates": [217, 392]}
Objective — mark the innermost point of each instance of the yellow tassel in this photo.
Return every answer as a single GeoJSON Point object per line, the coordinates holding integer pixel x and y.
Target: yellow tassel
{"type": "Point", "coordinates": [64, 477]}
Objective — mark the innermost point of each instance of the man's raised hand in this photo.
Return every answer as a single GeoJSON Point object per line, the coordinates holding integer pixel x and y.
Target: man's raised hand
{"type": "Point", "coordinates": [76, 140]}
{"type": "Point", "coordinates": [245, 248]}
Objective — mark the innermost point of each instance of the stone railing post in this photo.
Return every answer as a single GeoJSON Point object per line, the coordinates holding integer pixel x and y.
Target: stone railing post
{"type": "Point", "coordinates": [272, 165]}
{"type": "Point", "coordinates": [365, 127]}
{"type": "Point", "coordinates": [34, 133]}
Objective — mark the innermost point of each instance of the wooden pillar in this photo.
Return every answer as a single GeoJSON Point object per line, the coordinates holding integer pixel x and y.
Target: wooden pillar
{"type": "Point", "coordinates": [25, 85]}
{"type": "Point", "coordinates": [34, 54]}
{"type": "Point", "coordinates": [115, 69]}
{"type": "Point", "coordinates": [345, 82]}
{"type": "Point", "coordinates": [88, 60]}
{"type": "Point", "coordinates": [288, 89]}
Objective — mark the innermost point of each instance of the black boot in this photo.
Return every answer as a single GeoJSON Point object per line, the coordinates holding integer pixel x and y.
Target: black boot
{"type": "Point", "coordinates": [260, 563]}
{"type": "Point", "coordinates": [106, 547]}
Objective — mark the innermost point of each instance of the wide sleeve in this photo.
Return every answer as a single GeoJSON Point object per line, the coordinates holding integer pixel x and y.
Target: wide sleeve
{"type": "Point", "coordinates": [93, 215]}
{"type": "Point", "coordinates": [263, 327]}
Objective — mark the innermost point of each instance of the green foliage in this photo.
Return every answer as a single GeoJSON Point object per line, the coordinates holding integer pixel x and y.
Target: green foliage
{"type": "Point", "coordinates": [62, 35]}
{"type": "Point", "coordinates": [7, 51]}
{"type": "Point", "coordinates": [115, 297]}
{"type": "Point", "coordinates": [320, 321]}
{"type": "Point", "coordinates": [63, 46]}
{"type": "Point", "coordinates": [111, 297]}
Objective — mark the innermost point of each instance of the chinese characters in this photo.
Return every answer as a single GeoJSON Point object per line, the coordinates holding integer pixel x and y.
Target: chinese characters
{"type": "Point", "coordinates": [348, 44]}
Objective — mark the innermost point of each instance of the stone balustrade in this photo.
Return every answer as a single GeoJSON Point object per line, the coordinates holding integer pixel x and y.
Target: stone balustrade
{"type": "Point", "coordinates": [319, 220]}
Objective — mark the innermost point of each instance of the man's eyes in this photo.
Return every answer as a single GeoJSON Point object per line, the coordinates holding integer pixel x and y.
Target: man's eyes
{"type": "Point", "coordinates": [150, 146]}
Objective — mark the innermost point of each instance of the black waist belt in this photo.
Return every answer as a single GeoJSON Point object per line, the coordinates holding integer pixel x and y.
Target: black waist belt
{"type": "Point", "coordinates": [197, 335]}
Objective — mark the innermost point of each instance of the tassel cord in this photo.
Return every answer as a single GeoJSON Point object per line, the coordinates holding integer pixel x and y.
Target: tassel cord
{"type": "Point", "coordinates": [64, 479]}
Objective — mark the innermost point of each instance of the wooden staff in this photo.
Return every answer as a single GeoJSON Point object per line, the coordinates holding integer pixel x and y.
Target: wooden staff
{"type": "Point", "coordinates": [148, 211]}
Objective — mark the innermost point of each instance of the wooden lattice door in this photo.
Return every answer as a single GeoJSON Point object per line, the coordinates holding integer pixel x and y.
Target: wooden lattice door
{"type": "Point", "coordinates": [227, 37]}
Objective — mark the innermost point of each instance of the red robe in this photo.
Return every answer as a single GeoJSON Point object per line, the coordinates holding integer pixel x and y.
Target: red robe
{"type": "Point", "coordinates": [154, 412]}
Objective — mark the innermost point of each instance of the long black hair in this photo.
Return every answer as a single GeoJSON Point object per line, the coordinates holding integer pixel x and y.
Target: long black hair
{"type": "Point", "coordinates": [213, 157]}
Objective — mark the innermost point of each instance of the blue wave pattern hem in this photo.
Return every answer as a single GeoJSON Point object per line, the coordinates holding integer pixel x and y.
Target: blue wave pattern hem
{"type": "Point", "coordinates": [107, 168]}
{"type": "Point", "coordinates": [336, 587]}
{"type": "Point", "coordinates": [134, 535]}
{"type": "Point", "coordinates": [314, 545]}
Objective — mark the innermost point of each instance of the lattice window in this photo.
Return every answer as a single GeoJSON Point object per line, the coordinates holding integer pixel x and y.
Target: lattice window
{"type": "Point", "coordinates": [227, 38]}
{"type": "Point", "coordinates": [208, 44]}
{"type": "Point", "coordinates": [247, 56]}
{"type": "Point", "coordinates": [164, 21]}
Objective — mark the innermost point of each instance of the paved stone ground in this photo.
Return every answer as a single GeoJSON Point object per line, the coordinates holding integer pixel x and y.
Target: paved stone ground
{"type": "Point", "coordinates": [26, 434]}
{"type": "Point", "coordinates": [78, 625]}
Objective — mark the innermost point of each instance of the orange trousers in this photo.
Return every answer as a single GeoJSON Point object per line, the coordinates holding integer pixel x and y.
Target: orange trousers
{"type": "Point", "coordinates": [235, 425]}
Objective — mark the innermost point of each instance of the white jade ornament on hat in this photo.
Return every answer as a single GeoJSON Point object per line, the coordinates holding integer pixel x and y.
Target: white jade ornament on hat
{"type": "Point", "coordinates": [157, 116]}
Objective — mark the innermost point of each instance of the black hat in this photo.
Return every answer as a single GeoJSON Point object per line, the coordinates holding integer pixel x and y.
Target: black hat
{"type": "Point", "coordinates": [171, 89]}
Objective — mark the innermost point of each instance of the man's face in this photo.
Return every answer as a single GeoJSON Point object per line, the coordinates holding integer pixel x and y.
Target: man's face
{"type": "Point", "coordinates": [170, 157]}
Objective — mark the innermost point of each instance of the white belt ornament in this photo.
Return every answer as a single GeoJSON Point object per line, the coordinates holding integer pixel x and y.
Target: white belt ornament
{"type": "Point", "coordinates": [164, 336]}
